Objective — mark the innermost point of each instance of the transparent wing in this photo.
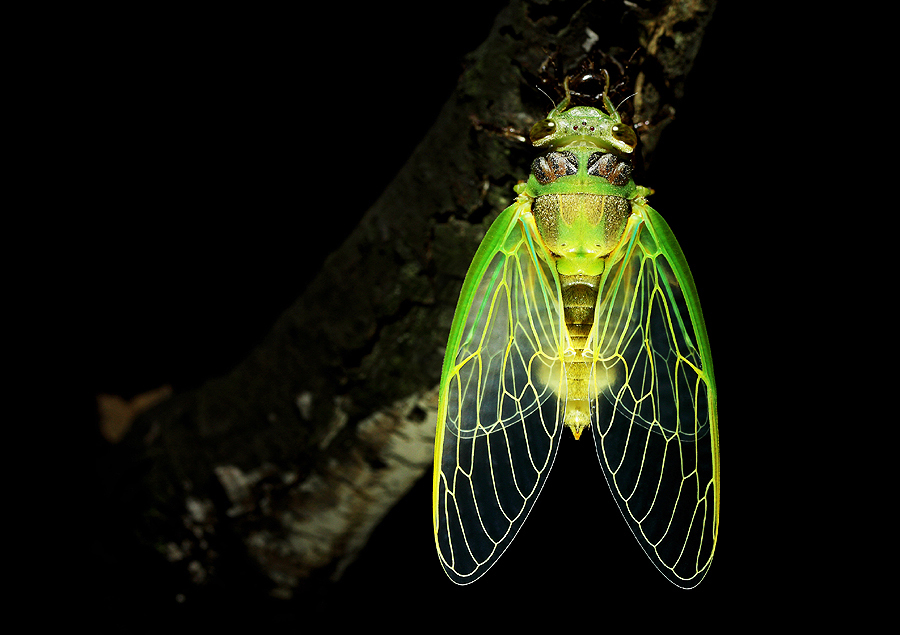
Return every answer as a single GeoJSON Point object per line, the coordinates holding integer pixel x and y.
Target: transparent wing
{"type": "Point", "coordinates": [655, 424]}
{"type": "Point", "coordinates": [499, 424]}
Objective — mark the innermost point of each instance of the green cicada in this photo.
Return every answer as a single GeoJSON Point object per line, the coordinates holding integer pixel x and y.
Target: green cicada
{"type": "Point", "coordinates": [578, 310]}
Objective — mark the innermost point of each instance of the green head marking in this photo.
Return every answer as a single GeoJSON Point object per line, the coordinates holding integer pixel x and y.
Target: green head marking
{"type": "Point", "coordinates": [583, 125]}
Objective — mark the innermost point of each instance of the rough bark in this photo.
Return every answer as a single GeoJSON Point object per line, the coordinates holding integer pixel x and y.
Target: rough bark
{"type": "Point", "coordinates": [299, 453]}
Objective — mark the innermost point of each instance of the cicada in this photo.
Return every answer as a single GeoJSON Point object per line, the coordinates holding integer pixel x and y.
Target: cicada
{"type": "Point", "coordinates": [578, 310]}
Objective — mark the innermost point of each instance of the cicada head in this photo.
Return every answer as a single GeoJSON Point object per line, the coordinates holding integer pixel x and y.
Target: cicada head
{"type": "Point", "coordinates": [584, 125]}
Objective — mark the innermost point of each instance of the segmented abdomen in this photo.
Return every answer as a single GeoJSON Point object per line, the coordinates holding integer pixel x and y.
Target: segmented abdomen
{"type": "Point", "coordinates": [579, 295]}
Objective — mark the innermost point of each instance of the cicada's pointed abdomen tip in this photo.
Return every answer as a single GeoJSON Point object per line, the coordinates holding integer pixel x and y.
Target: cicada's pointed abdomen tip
{"type": "Point", "coordinates": [577, 425]}
{"type": "Point", "coordinates": [578, 410]}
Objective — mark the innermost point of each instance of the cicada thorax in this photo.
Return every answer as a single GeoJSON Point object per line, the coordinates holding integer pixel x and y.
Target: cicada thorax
{"type": "Point", "coordinates": [581, 223]}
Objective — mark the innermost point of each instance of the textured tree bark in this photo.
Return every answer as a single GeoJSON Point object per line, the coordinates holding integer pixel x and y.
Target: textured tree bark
{"type": "Point", "coordinates": [287, 464]}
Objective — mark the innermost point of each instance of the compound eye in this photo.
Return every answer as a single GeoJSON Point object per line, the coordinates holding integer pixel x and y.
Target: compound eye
{"type": "Point", "coordinates": [624, 134]}
{"type": "Point", "coordinates": [542, 130]}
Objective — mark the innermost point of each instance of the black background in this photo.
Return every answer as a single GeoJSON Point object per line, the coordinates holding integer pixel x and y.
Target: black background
{"type": "Point", "coordinates": [195, 243]}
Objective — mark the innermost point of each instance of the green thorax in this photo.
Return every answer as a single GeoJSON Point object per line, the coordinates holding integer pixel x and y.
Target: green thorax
{"type": "Point", "coordinates": [590, 151]}
{"type": "Point", "coordinates": [581, 188]}
{"type": "Point", "coordinates": [581, 168]}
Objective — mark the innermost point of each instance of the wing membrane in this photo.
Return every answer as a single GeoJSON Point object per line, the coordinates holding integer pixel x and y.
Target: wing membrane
{"type": "Point", "coordinates": [655, 425]}
{"type": "Point", "coordinates": [499, 424]}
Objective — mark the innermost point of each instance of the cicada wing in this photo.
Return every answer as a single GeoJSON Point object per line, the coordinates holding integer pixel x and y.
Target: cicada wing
{"type": "Point", "coordinates": [655, 423]}
{"type": "Point", "coordinates": [499, 423]}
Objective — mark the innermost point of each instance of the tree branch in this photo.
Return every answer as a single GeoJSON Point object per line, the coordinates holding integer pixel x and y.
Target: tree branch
{"type": "Point", "coordinates": [298, 453]}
